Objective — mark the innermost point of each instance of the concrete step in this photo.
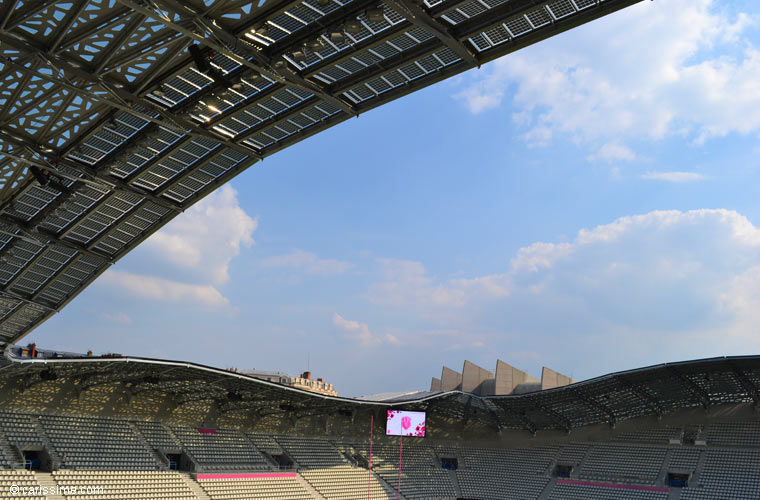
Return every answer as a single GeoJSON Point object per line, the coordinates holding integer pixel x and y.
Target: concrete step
{"type": "Point", "coordinates": [199, 492]}
{"type": "Point", "coordinates": [49, 486]}
{"type": "Point", "coordinates": [160, 458]}
{"type": "Point", "coordinates": [308, 487]}
{"type": "Point", "coordinates": [675, 493]}
{"type": "Point", "coordinates": [455, 483]}
{"type": "Point", "coordinates": [390, 486]}
{"type": "Point", "coordinates": [548, 489]}
{"type": "Point", "coordinates": [10, 453]}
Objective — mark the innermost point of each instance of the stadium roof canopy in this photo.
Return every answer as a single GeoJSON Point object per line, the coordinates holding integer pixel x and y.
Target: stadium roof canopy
{"type": "Point", "coordinates": [202, 395]}
{"type": "Point", "coordinates": [117, 115]}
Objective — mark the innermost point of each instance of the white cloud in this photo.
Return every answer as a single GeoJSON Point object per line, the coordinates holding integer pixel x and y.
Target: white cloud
{"type": "Point", "coordinates": [612, 152]}
{"type": "Point", "coordinates": [676, 177]}
{"type": "Point", "coordinates": [642, 289]}
{"type": "Point", "coordinates": [406, 283]}
{"type": "Point", "coordinates": [161, 289]}
{"type": "Point", "coordinates": [307, 262]}
{"type": "Point", "coordinates": [119, 317]}
{"type": "Point", "coordinates": [206, 237]}
{"type": "Point", "coordinates": [649, 71]}
{"type": "Point", "coordinates": [360, 332]}
{"type": "Point", "coordinates": [539, 256]}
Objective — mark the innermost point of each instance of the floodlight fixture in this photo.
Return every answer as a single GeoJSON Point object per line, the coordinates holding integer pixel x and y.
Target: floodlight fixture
{"type": "Point", "coordinates": [353, 26]}
{"type": "Point", "coordinates": [315, 45]}
{"type": "Point", "coordinates": [298, 56]}
{"type": "Point", "coordinates": [201, 63]}
{"type": "Point", "coordinates": [213, 104]}
{"type": "Point", "coordinates": [375, 14]}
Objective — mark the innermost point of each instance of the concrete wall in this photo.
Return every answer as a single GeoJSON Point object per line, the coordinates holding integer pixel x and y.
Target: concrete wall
{"type": "Point", "coordinates": [474, 377]}
{"type": "Point", "coordinates": [508, 377]}
{"type": "Point", "coordinates": [450, 380]}
{"type": "Point", "coordinates": [435, 384]}
{"type": "Point", "coordinates": [508, 380]}
{"type": "Point", "coordinates": [551, 379]}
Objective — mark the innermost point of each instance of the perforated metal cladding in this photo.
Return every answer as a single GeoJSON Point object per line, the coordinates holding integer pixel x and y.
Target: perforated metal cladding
{"type": "Point", "coordinates": [209, 171]}
{"type": "Point", "coordinates": [49, 261]}
{"type": "Point", "coordinates": [403, 75]}
{"type": "Point", "coordinates": [21, 317]}
{"type": "Point", "coordinates": [134, 225]}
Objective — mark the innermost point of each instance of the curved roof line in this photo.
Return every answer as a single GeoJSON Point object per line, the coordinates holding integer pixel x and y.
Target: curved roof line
{"type": "Point", "coordinates": [651, 390]}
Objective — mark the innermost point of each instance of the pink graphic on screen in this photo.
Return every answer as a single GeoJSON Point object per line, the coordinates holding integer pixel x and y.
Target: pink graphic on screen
{"type": "Point", "coordinates": [405, 423]}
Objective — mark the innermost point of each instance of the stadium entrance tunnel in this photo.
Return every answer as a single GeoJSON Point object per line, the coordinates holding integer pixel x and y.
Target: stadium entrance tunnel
{"type": "Point", "coordinates": [283, 461]}
{"type": "Point", "coordinates": [563, 470]}
{"type": "Point", "coordinates": [180, 462]}
{"type": "Point", "coordinates": [449, 463]}
{"type": "Point", "coordinates": [678, 479]}
{"type": "Point", "coordinates": [360, 460]}
{"type": "Point", "coordinates": [37, 458]}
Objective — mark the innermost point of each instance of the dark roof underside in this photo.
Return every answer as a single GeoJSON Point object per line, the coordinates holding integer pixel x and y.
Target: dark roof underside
{"type": "Point", "coordinates": [143, 387]}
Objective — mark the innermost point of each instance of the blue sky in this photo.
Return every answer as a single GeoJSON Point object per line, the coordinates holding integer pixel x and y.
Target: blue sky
{"type": "Point", "coordinates": [588, 204]}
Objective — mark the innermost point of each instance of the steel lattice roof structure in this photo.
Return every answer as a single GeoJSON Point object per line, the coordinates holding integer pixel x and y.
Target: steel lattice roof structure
{"type": "Point", "coordinates": [196, 394]}
{"type": "Point", "coordinates": [117, 115]}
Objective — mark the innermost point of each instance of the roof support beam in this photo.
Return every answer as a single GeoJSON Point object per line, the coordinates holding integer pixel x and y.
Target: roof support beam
{"type": "Point", "coordinates": [746, 383]}
{"type": "Point", "coordinates": [44, 238]}
{"type": "Point", "coordinates": [90, 174]}
{"type": "Point", "coordinates": [84, 32]}
{"type": "Point", "coordinates": [26, 11]}
{"type": "Point", "coordinates": [126, 100]}
{"type": "Point", "coordinates": [55, 276]}
{"type": "Point", "coordinates": [642, 394]}
{"type": "Point", "coordinates": [332, 60]}
{"type": "Point", "coordinates": [492, 409]}
{"type": "Point", "coordinates": [520, 414]}
{"type": "Point", "coordinates": [563, 421]}
{"type": "Point", "coordinates": [230, 44]}
{"type": "Point", "coordinates": [123, 36]}
{"type": "Point", "coordinates": [69, 20]}
{"type": "Point", "coordinates": [702, 396]}
{"type": "Point", "coordinates": [517, 9]}
{"type": "Point", "coordinates": [36, 302]}
{"type": "Point", "coordinates": [6, 14]}
{"type": "Point", "coordinates": [420, 18]}
{"type": "Point", "coordinates": [592, 403]}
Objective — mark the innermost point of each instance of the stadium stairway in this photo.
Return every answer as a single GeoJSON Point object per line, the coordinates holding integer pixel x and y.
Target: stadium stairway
{"type": "Point", "coordinates": [199, 493]}
{"type": "Point", "coordinates": [391, 488]}
{"type": "Point", "coordinates": [575, 474]}
{"type": "Point", "coordinates": [10, 453]}
{"type": "Point", "coordinates": [52, 452]}
{"type": "Point", "coordinates": [161, 458]}
{"type": "Point", "coordinates": [48, 483]}
{"type": "Point", "coordinates": [267, 458]}
{"type": "Point", "coordinates": [455, 483]}
{"type": "Point", "coordinates": [696, 478]}
{"type": "Point", "coordinates": [675, 494]}
{"type": "Point", "coordinates": [548, 489]}
{"type": "Point", "coordinates": [184, 448]}
{"type": "Point", "coordinates": [308, 487]}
